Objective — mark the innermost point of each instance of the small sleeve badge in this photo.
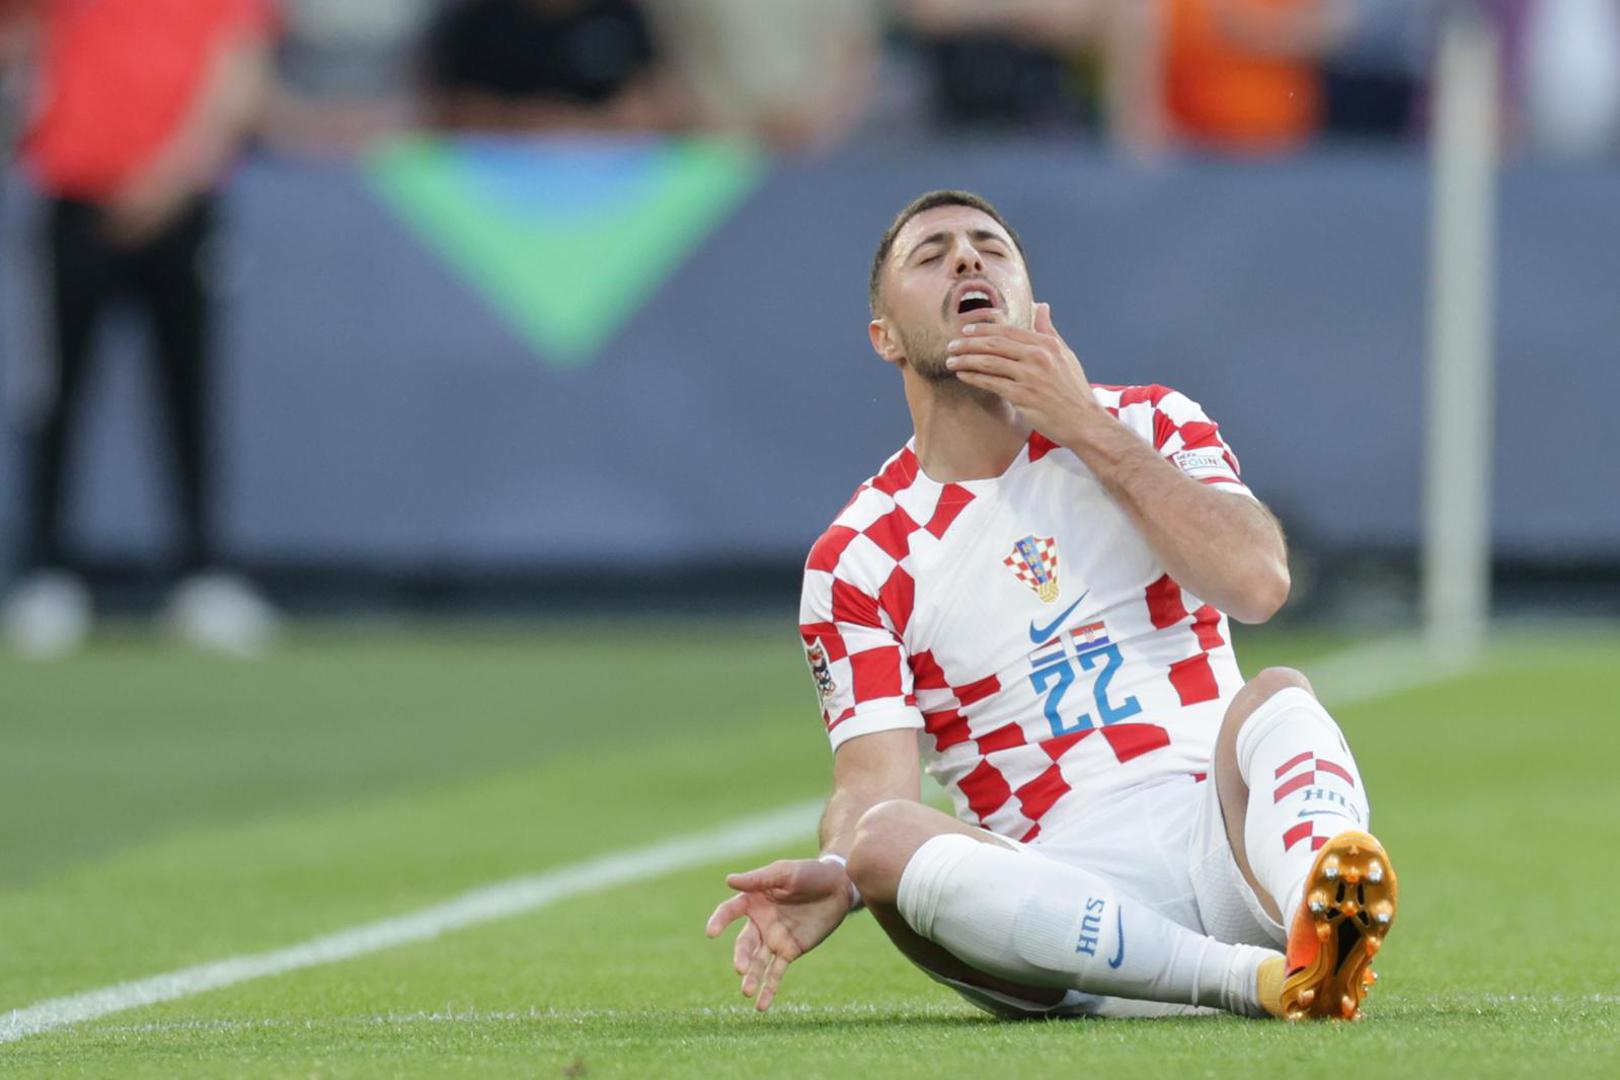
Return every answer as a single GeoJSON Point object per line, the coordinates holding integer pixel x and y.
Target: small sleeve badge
{"type": "Point", "coordinates": [820, 670]}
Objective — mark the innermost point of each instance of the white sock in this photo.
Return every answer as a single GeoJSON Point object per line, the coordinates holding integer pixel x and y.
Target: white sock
{"type": "Point", "coordinates": [1029, 919]}
{"type": "Point", "coordinates": [1303, 788]}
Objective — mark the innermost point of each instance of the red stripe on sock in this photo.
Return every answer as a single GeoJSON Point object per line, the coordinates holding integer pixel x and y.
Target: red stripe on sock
{"type": "Point", "coordinates": [1296, 834]}
{"type": "Point", "coordinates": [1337, 770]}
{"type": "Point", "coordinates": [1290, 763]}
{"type": "Point", "coordinates": [1304, 779]}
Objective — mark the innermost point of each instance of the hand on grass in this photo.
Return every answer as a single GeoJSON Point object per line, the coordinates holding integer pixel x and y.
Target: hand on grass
{"type": "Point", "coordinates": [791, 906]}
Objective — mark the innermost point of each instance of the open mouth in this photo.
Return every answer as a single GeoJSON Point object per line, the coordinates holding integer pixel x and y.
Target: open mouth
{"type": "Point", "coordinates": [974, 300]}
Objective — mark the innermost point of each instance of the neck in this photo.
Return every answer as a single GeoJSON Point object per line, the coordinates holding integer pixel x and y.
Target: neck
{"type": "Point", "coordinates": [962, 433]}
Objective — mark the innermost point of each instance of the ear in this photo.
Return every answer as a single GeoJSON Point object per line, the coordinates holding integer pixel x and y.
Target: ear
{"type": "Point", "coordinates": [884, 343]}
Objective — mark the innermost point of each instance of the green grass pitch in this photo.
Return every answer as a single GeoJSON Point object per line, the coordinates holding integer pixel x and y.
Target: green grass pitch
{"type": "Point", "coordinates": [159, 810]}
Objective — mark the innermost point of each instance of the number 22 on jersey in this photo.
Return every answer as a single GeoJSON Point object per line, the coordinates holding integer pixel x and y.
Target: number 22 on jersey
{"type": "Point", "coordinates": [1083, 655]}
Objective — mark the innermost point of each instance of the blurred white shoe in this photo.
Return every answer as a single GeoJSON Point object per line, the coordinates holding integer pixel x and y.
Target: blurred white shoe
{"type": "Point", "coordinates": [221, 613]}
{"type": "Point", "coordinates": [47, 616]}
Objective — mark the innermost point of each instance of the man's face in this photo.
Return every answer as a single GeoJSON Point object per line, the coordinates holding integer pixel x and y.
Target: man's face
{"type": "Point", "coordinates": [949, 266]}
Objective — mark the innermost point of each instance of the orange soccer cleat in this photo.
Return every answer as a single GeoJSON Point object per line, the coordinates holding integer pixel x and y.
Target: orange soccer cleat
{"type": "Point", "coordinates": [1349, 906]}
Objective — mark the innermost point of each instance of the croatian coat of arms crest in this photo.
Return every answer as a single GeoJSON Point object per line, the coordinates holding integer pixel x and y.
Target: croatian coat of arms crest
{"type": "Point", "coordinates": [1034, 561]}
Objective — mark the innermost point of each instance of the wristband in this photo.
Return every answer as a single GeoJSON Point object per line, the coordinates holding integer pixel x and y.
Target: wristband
{"type": "Point", "coordinates": [855, 901]}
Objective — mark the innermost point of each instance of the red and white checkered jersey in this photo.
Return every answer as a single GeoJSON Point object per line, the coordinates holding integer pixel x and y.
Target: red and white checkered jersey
{"type": "Point", "coordinates": [1023, 625]}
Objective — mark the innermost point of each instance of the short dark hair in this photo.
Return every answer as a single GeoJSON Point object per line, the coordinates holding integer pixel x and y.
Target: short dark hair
{"type": "Point", "coordinates": [929, 201]}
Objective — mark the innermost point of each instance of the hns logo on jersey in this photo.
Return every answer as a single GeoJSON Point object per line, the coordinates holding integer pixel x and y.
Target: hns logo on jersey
{"type": "Point", "coordinates": [1034, 561]}
{"type": "Point", "coordinates": [821, 670]}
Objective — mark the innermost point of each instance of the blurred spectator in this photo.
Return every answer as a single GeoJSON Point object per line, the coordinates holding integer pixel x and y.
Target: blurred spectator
{"type": "Point", "coordinates": [141, 105]}
{"type": "Point", "coordinates": [1010, 64]}
{"type": "Point", "coordinates": [537, 65]}
{"type": "Point", "coordinates": [794, 72]}
{"type": "Point", "coordinates": [1227, 75]}
{"type": "Point", "coordinates": [346, 71]}
{"type": "Point", "coordinates": [1241, 74]}
{"type": "Point", "coordinates": [1374, 73]}
{"type": "Point", "coordinates": [1571, 65]}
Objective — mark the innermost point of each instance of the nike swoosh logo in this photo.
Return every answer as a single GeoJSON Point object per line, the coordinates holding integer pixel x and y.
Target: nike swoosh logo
{"type": "Point", "coordinates": [1040, 635]}
{"type": "Point", "coordinates": [1348, 815]}
{"type": "Point", "coordinates": [1119, 916]}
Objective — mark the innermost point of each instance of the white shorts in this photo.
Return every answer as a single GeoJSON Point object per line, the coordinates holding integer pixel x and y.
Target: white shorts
{"type": "Point", "coordinates": [1165, 845]}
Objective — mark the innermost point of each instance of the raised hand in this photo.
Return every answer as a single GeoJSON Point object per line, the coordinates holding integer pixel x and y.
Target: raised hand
{"type": "Point", "coordinates": [791, 906]}
{"type": "Point", "coordinates": [1034, 371]}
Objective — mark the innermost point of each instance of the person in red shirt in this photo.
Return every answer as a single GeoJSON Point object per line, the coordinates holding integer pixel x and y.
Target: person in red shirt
{"type": "Point", "coordinates": [139, 107]}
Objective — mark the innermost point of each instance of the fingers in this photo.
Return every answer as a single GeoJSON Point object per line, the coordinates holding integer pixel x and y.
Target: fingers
{"type": "Point", "coordinates": [773, 979]}
{"type": "Point", "coordinates": [743, 950]}
{"type": "Point", "coordinates": [997, 384]}
{"type": "Point", "coordinates": [727, 913]}
{"type": "Point", "coordinates": [1014, 348]}
{"type": "Point", "coordinates": [757, 966]}
{"type": "Point", "coordinates": [1043, 320]}
{"type": "Point", "coordinates": [984, 364]}
{"type": "Point", "coordinates": [974, 331]}
{"type": "Point", "coordinates": [760, 879]}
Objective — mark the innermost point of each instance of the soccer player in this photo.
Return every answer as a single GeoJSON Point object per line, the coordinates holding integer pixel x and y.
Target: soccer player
{"type": "Point", "coordinates": [1031, 599]}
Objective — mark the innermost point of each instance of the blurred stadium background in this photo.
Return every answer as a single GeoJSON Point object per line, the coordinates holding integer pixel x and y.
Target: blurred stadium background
{"type": "Point", "coordinates": [540, 346]}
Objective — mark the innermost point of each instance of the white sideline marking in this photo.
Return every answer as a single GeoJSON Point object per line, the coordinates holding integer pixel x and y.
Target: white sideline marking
{"type": "Point", "coordinates": [847, 1010]}
{"type": "Point", "coordinates": [500, 901]}
{"type": "Point", "coordinates": [1357, 674]}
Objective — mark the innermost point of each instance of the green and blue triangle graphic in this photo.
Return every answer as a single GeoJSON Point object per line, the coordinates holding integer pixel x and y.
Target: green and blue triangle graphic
{"type": "Point", "coordinates": [565, 239]}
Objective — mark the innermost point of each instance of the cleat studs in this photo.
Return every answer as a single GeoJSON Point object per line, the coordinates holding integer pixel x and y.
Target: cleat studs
{"type": "Point", "coordinates": [1347, 1006]}
{"type": "Point", "coordinates": [1373, 945]}
{"type": "Point", "coordinates": [1324, 930]}
{"type": "Point", "coordinates": [1349, 907]}
{"type": "Point", "coordinates": [1375, 872]}
{"type": "Point", "coordinates": [1318, 907]}
{"type": "Point", "coordinates": [1307, 995]}
{"type": "Point", "coordinates": [1331, 871]}
{"type": "Point", "coordinates": [1355, 849]}
{"type": "Point", "coordinates": [1352, 876]}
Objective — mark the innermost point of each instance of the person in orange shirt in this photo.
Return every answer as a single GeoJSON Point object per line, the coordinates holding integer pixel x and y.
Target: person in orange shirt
{"type": "Point", "coordinates": [140, 106]}
{"type": "Point", "coordinates": [1235, 75]}
{"type": "Point", "coordinates": [1220, 74]}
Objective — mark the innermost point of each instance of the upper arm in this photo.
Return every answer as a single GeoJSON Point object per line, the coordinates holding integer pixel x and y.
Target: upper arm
{"type": "Point", "coordinates": [1183, 434]}
{"type": "Point", "coordinates": [851, 637]}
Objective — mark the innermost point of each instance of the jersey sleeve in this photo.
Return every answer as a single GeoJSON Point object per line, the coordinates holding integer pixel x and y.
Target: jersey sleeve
{"type": "Point", "coordinates": [857, 661]}
{"type": "Point", "coordinates": [1183, 433]}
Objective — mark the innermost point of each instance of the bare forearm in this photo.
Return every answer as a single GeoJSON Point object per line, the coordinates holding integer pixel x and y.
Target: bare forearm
{"type": "Point", "coordinates": [1225, 548]}
{"type": "Point", "coordinates": [838, 821]}
{"type": "Point", "coordinates": [844, 810]}
{"type": "Point", "coordinates": [868, 770]}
